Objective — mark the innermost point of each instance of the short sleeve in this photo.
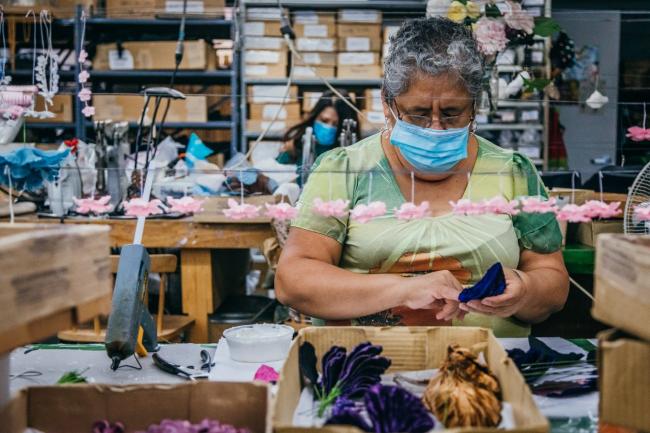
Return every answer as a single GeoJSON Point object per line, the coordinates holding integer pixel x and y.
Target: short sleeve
{"type": "Point", "coordinates": [537, 232]}
{"type": "Point", "coordinates": [329, 180]}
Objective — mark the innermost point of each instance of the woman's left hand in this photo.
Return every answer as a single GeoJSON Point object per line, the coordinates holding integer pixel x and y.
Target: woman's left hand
{"type": "Point", "coordinates": [506, 304]}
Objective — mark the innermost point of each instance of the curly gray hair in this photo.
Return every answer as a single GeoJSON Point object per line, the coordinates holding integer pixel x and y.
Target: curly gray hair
{"type": "Point", "coordinates": [432, 46]}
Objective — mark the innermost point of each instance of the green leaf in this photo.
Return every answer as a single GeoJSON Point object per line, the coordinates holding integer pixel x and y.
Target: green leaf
{"type": "Point", "coordinates": [536, 84]}
{"type": "Point", "coordinates": [545, 26]}
{"type": "Point", "coordinates": [463, 2]}
{"type": "Point", "coordinates": [71, 377]}
{"type": "Point", "coordinates": [492, 11]}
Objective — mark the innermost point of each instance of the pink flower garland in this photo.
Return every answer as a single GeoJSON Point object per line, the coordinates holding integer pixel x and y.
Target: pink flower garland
{"type": "Point", "coordinates": [139, 207]}
{"type": "Point", "coordinates": [95, 206]}
{"type": "Point", "coordinates": [185, 205]}
{"type": "Point", "coordinates": [599, 209]}
{"type": "Point", "coordinates": [281, 211]}
{"type": "Point", "coordinates": [537, 205]}
{"type": "Point", "coordinates": [637, 133]}
{"type": "Point", "coordinates": [85, 93]}
{"type": "Point", "coordinates": [363, 213]}
{"type": "Point", "coordinates": [490, 35]}
{"type": "Point", "coordinates": [410, 211]}
{"type": "Point", "coordinates": [501, 206]}
{"type": "Point", "coordinates": [243, 211]}
{"type": "Point", "coordinates": [642, 213]}
{"type": "Point", "coordinates": [466, 207]}
{"type": "Point", "coordinates": [332, 208]}
{"type": "Point", "coordinates": [573, 214]}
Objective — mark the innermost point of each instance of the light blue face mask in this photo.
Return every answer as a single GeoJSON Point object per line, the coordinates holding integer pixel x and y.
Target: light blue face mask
{"type": "Point", "coordinates": [430, 150]}
{"type": "Point", "coordinates": [325, 134]}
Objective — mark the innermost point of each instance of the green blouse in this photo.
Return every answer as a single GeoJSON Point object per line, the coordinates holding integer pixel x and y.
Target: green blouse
{"type": "Point", "coordinates": [465, 245]}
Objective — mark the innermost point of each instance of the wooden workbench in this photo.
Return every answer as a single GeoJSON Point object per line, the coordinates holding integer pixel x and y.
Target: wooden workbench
{"type": "Point", "coordinates": [195, 241]}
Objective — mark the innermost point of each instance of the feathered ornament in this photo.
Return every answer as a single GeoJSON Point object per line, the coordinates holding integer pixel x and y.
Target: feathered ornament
{"type": "Point", "coordinates": [185, 205]}
{"type": "Point", "coordinates": [595, 209]}
{"type": "Point", "coordinates": [573, 214]}
{"type": "Point", "coordinates": [411, 211]}
{"type": "Point", "coordinates": [363, 213]}
{"type": "Point", "coordinates": [241, 211]}
{"type": "Point", "coordinates": [639, 133]}
{"type": "Point", "coordinates": [332, 208]}
{"type": "Point", "coordinates": [140, 207]}
{"type": "Point", "coordinates": [642, 213]}
{"type": "Point", "coordinates": [281, 211]}
{"type": "Point", "coordinates": [500, 206]}
{"type": "Point", "coordinates": [464, 393]}
{"type": "Point", "coordinates": [538, 205]}
{"type": "Point", "coordinates": [466, 207]}
{"type": "Point", "coordinates": [93, 206]}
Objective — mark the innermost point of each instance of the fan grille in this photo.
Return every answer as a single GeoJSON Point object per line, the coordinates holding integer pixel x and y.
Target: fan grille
{"type": "Point", "coordinates": [639, 195]}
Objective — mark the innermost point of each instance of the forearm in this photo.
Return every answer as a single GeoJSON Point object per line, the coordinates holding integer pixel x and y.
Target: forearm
{"type": "Point", "coordinates": [323, 290]}
{"type": "Point", "coordinates": [546, 293]}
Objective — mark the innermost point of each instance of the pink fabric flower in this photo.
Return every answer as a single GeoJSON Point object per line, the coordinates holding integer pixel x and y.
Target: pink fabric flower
{"type": "Point", "coordinates": [185, 204]}
{"type": "Point", "coordinates": [243, 211]}
{"type": "Point", "coordinates": [266, 374]}
{"type": "Point", "coordinates": [88, 111]}
{"type": "Point", "coordinates": [363, 213]}
{"type": "Point", "coordinates": [467, 207]}
{"type": "Point", "coordinates": [411, 211]}
{"type": "Point", "coordinates": [83, 56]}
{"type": "Point", "coordinates": [636, 133]}
{"type": "Point", "coordinates": [85, 94]}
{"type": "Point", "coordinates": [537, 205]}
{"type": "Point", "coordinates": [332, 208]}
{"type": "Point", "coordinates": [642, 213]}
{"type": "Point", "coordinates": [490, 35]}
{"type": "Point", "coordinates": [94, 206]}
{"type": "Point", "coordinates": [83, 76]}
{"type": "Point", "coordinates": [599, 209]}
{"type": "Point", "coordinates": [519, 19]}
{"type": "Point", "coordinates": [573, 214]}
{"type": "Point", "coordinates": [139, 207]}
{"type": "Point", "coordinates": [281, 211]}
{"type": "Point", "coordinates": [501, 206]}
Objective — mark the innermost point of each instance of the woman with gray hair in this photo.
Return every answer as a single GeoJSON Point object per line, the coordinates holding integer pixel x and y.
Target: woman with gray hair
{"type": "Point", "coordinates": [390, 271]}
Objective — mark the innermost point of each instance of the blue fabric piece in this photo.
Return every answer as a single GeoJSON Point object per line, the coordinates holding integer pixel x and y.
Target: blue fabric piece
{"type": "Point", "coordinates": [30, 167]}
{"type": "Point", "coordinates": [197, 149]}
{"type": "Point", "coordinates": [247, 176]}
{"type": "Point", "coordinates": [493, 283]}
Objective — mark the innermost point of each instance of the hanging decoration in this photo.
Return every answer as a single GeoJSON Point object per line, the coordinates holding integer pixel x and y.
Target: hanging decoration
{"type": "Point", "coordinates": [409, 210]}
{"type": "Point", "coordinates": [500, 206]}
{"type": "Point", "coordinates": [642, 213]}
{"type": "Point", "coordinates": [465, 207]}
{"type": "Point", "coordinates": [4, 78]}
{"type": "Point", "coordinates": [241, 211]}
{"type": "Point", "coordinates": [364, 213]}
{"type": "Point", "coordinates": [47, 66]}
{"type": "Point", "coordinates": [573, 213]}
{"type": "Point", "coordinates": [332, 208]}
{"type": "Point", "coordinates": [538, 205]}
{"type": "Point", "coordinates": [85, 93]}
{"type": "Point", "coordinates": [138, 207]}
{"type": "Point", "coordinates": [281, 211]}
{"type": "Point", "coordinates": [185, 205]}
{"type": "Point", "coordinates": [93, 206]}
{"type": "Point", "coordinates": [597, 100]}
{"type": "Point", "coordinates": [595, 209]}
{"type": "Point", "coordinates": [639, 133]}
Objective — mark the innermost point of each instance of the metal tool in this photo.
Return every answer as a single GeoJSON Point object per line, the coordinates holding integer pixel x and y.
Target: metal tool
{"type": "Point", "coordinates": [176, 370]}
{"type": "Point", "coordinates": [348, 133]}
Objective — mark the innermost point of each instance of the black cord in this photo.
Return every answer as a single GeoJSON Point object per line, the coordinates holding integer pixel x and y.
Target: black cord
{"type": "Point", "coordinates": [138, 137]}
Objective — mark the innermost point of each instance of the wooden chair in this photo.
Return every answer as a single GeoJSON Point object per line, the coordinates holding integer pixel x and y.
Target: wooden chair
{"type": "Point", "coordinates": [168, 327]}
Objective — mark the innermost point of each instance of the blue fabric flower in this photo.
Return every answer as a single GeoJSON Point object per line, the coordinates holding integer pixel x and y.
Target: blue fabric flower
{"type": "Point", "coordinates": [30, 167]}
{"type": "Point", "coordinates": [493, 283]}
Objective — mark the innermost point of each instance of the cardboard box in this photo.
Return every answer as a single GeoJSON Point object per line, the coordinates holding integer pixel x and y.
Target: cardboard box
{"type": "Point", "coordinates": [359, 71]}
{"type": "Point", "coordinates": [78, 407]}
{"type": "Point", "coordinates": [621, 283]}
{"type": "Point", "coordinates": [371, 122]}
{"type": "Point", "coordinates": [266, 71]}
{"type": "Point", "coordinates": [313, 17]}
{"type": "Point", "coordinates": [267, 111]}
{"type": "Point", "coordinates": [372, 99]}
{"type": "Point", "coordinates": [358, 58]}
{"type": "Point", "coordinates": [265, 94]}
{"type": "Point", "coordinates": [262, 28]}
{"type": "Point", "coordinates": [323, 45]}
{"type": "Point", "coordinates": [264, 14]}
{"type": "Point", "coordinates": [356, 43]}
{"type": "Point", "coordinates": [265, 57]}
{"type": "Point", "coordinates": [410, 349]}
{"type": "Point", "coordinates": [314, 71]}
{"type": "Point", "coordinates": [277, 127]}
{"type": "Point", "coordinates": [309, 100]}
{"type": "Point", "coordinates": [366, 16]}
{"type": "Point", "coordinates": [325, 30]}
{"type": "Point", "coordinates": [316, 59]}
{"type": "Point", "coordinates": [623, 381]}
{"type": "Point", "coordinates": [372, 31]}
{"type": "Point", "coordinates": [587, 233]}
{"type": "Point", "coordinates": [218, 96]}
{"type": "Point", "coordinates": [153, 8]}
{"type": "Point", "coordinates": [264, 43]}
{"type": "Point", "coordinates": [158, 55]}
{"type": "Point", "coordinates": [128, 107]}
{"type": "Point", "coordinates": [62, 107]}
{"type": "Point", "coordinates": [388, 32]}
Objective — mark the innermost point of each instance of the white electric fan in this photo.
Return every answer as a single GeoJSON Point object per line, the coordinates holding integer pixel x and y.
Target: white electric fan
{"type": "Point", "coordinates": [639, 195]}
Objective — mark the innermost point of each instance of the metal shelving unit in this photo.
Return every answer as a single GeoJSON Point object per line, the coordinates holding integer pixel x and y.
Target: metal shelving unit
{"type": "Point", "coordinates": [315, 81]}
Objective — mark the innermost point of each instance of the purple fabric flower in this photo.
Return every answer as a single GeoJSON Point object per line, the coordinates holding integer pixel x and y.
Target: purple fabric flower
{"type": "Point", "coordinates": [205, 426]}
{"type": "Point", "coordinates": [388, 408]}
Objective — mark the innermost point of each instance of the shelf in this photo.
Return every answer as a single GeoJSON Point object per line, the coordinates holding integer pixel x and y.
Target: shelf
{"type": "Point", "coordinates": [49, 125]}
{"type": "Point", "coordinates": [508, 126]}
{"type": "Point", "coordinates": [214, 124]}
{"type": "Point", "coordinates": [518, 104]}
{"type": "Point", "coordinates": [273, 135]}
{"type": "Point", "coordinates": [403, 5]}
{"type": "Point", "coordinates": [144, 74]}
{"type": "Point", "coordinates": [316, 81]}
{"type": "Point", "coordinates": [159, 22]}
{"type": "Point", "coordinates": [64, 75]}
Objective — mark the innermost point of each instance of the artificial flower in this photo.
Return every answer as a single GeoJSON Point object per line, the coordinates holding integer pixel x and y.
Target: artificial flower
{"type": "Point", "coordinates": [105, 426]}
{"type": "Point", "coordinates": [85, 94]}
{"type": "Point", "coordinates": [599, 209]}
{"type": "Point", "coordinates": [501, 206]}
{"type": "Point", "coordinates": [94, 206]}
{"type": "Point", "coordinates": [437, 8]}
{"type": "Point", "coordinates": [184, 426]}
{"type": "Point", "coordinates": [281, 211]}
{"type": "Point", "coordinates": [411, 211]}
{"type": "Point", "coordinates": [573, 214]}
{"type": "Point", "coordinates": [266, 374]}
{"type": "Point", "coordinates": [642, 213]}
{"type": "Point", "coordinates": [490, 35]}
{"type": "Point", "coordinates": [519, 19]}
{"type": "Point", "coordinates": [466, 207]}
{"type": "Point", "coordinates": [538, 205]}
{"type": "Point", "coordinates": [473, 10]}
{"type": "Point", "coordinates": [88, 111]}
{"type": "Point", "coordinates": [83, 76]}
{"type": "Point", "coordinates": [185, 204]}
{"type": "Point", "coordinates": [363, 213]}
{"type": "Point", "coordinates": [139, 207]}
{"type": "Point", "coordinates": [83, 56]}
{"type": "Point", "coordinates": [636, 133]}
{"type": "Point", "coordinates": [243, 211]}
{"type": "Point", "coordinates": [457, 12]}
{"type": "Point", "coordinates": [332, 208]}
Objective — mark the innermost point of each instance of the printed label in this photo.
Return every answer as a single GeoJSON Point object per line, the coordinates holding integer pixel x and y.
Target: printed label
{"type": "Point", "coordinates": [311, 58]}
{"type": "Point", "coordinates": [305, 44]}
{"type": "Point", "coordinates": [357, 44]}
{"type": "Point", "coordinates": [375, 116]}
{"type": "Point", "coordinates": [529, 115]}
{"type": "Point", "coordinates": [117, 62]}
{"type": "Point", "coordinates": [360, 16]}
{"type": "Point", "coordinates": [254, 29]}
{"type": "Point", "coordinates": [304, 71]}
{"type": "Point", "coordinates": [316, 31]}
{"type": "Point", "coordinates": [275, 126]}
{"type": "Point", "coordinates": [262, 56]}
{"type": "Point", "coordinates": [176, 6]}
{"type": "Point", "coordinates": [305, 17]}
{"type": "Point", "coordinates": [268, 112]}
{"type": "Point", "coordinates": [263, 43]}
{"type": "Point", "coordinates": [257, 70]}
{"type": "Point", "coordinates": [356, 58]}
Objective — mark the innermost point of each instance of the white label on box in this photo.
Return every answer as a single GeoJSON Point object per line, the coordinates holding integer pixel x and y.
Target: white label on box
{"type": "Point", "coordinates": [306, 44]}
{"type": "Point", "coordinates": [262, 94]}
{"type": "Point", "coordinates": [375, 117]}
{"type": "Point", "coordinates": [268, 112]}
{"type": "Point", "coordinates": [257, 70]}
{"type": "Point", "coordinates": [311, 59]}
{"type": "Point", "coordinates": [529, 115]}
{"type": "Point", "coordinates": [120, 63]}
{"type": "Point", "coordinates": [275, 126]}
{"type": "Point", "coordinates": [176, 6]}
{"type": "Point", "coordinates": [529, 151]}
{"type": "Point", "coordinates": [305, 17]}
{"type": "Point", "coordinates": [376, 104]}
{"type": "Point", "coordinates": [481, 118]}
{"type": "Point", "coordinates": [263, 43]}
{"type": "Point", "coordinates": [254, 28]}
{"type": "Point", "coordinates": [262, 56]}
{"type": "Point", "coordinates": [356, 58]}
{"type": "Point", "coordinates": [270, 14]}
{"type": "Point", "coordinates": [315, 31]}
{"type": "Point", "coordinates": [357, 44]}
{"type": "Point", "coordinates": [360, 16]}
{"type": "Point", "coordinates": [534, 2]}
{"type": "Point", "coordinates": [304, 71]}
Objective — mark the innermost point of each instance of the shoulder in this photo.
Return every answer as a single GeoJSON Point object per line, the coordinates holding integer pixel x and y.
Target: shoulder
{"type": "Point", "coordinates": [498, 156]}
{"type": "Point", "coordinates": [362, 155]}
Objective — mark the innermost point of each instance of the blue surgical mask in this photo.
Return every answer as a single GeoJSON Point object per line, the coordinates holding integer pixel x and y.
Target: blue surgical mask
{"type": "Point", "coordinates": [325, 134]}
{"type": "Point", "coordinates": [430, 150]}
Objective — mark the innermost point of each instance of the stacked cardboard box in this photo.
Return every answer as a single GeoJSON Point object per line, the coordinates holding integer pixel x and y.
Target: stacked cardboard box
{"type": "Point", "coordinates": [154, 55]}
{"type": "Point", "coordinates": [265, 55]}
{"type": "Point", "coordinates": [373, 119]}
{"type": "Point", "coordinates": [265, 102]}
{"type": "Point", "coordinates": [388, 32]}
{"type": "Point", "coordinates": [163, 8]}
{"type": "Point", "coordinates": [316, 41]}
{"type": "Point", "coordinates": [359, 43]}
{"type": "Point", "coordinates": [621, 300]}
{"type": "Point", "coordinates": [128, 108]}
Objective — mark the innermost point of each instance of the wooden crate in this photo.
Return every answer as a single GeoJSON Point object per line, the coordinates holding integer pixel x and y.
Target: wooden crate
{"type": "Point", "coordinates": [52, 277]}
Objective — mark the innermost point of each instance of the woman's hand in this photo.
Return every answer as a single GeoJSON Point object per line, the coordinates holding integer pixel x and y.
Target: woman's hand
{"type": "Point", "coordinates": [506, 304]}
{"type": "Point", "coordinates": [435, 290]}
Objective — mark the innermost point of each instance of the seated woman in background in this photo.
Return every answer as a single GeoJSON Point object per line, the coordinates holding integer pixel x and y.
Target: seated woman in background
{"type": "Point", "coordinates": [326, 119]}
{"type": "Point", "coordinates": [390, 271]}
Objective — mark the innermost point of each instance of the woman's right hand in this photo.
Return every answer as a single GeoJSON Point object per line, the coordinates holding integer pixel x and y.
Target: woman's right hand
{"type": "Point", "coordinates": [436, 290]}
